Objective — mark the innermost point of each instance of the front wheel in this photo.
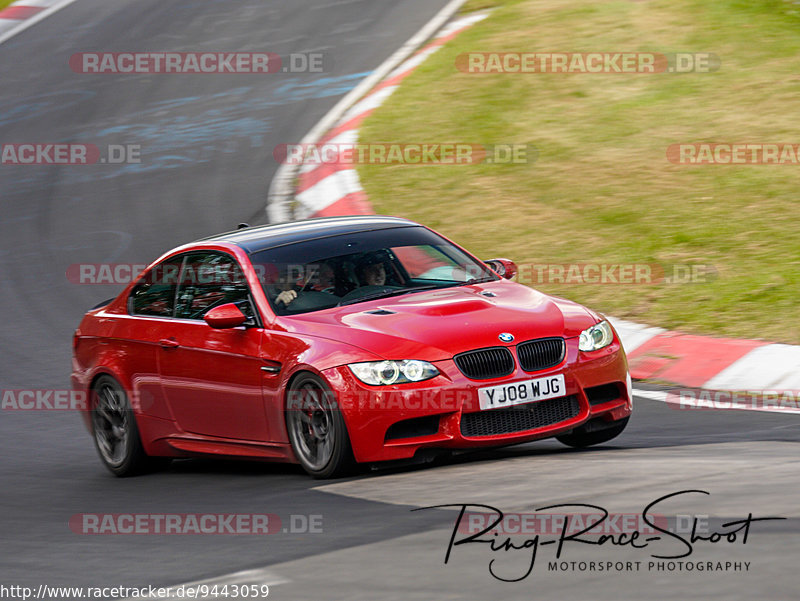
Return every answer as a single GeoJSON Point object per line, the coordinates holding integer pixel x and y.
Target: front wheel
{"type": "Point", "coordinates": [317, 430]}
{"type": "Point", "coordinates": [116, 436]}
{"type": "Point", "coordinates": [586, 437]}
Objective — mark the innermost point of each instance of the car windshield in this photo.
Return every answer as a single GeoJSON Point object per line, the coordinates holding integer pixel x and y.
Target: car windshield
{"type": "Point", "coordinates": [342, 270]}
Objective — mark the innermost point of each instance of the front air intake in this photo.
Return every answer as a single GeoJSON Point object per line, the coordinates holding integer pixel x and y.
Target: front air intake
{"type": "Point", "coordinates": [541, 354]}
{"type": "Point", "coordinates": [519, 418]}
{"type": "Point", "coordinates": [485, 364]}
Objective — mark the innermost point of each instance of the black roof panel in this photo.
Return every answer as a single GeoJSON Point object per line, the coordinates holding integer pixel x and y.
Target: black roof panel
{"type": "Point", "coordinates": [254, 239]}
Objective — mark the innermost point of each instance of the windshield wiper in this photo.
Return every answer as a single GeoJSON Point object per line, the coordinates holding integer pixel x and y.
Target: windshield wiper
{"type": "Point", "coordinates": [395, 292]}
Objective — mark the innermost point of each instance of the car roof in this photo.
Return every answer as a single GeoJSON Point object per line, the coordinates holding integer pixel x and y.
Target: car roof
{"type": "Point", "coordinates": [258, 238]}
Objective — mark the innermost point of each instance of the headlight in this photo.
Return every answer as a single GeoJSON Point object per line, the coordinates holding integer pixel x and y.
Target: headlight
{"type": "Point", "coordinates": [384, 373]}
{"type": "Point", "coordinates": [598, 336]}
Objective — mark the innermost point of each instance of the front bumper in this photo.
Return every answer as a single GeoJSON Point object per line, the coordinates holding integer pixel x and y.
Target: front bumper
{"type": "Point", "coordinates": [395, 422]}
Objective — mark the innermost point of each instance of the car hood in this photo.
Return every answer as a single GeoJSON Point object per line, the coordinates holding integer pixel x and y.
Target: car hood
{"type": "Point", "coordinates": [436, 325]}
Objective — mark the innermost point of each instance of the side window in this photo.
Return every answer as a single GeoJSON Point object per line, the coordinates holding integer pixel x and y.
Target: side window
{"type": "Point", "coordinates": [155, 292]}
{"type": "Point", "coordinates": [209, 279]}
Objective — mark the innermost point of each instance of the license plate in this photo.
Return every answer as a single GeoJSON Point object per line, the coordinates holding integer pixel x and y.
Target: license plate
{"type": "Point", "coordinates": [528, 391]}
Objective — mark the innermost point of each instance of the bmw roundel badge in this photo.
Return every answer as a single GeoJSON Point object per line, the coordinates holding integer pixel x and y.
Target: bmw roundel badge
{"type": "Point", "coordinates": [506, 337]}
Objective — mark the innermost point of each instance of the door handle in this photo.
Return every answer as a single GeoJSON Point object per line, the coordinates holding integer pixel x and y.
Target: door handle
{"type": "Point", "coordinates": [169, 343]}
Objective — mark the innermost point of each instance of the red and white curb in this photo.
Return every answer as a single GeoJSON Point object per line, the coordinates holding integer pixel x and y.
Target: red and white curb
{"type": "Point", "coordinates": [707, 362]}
{"type": "Point", "coordinates": [655, 354]}
{"type": "Point", "coordinates": [334, 188]}
{"type": "Point", "coordinates": [21, 15]}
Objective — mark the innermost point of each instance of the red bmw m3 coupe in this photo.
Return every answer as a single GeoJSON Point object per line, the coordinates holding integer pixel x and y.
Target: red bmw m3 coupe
{"type": "Point", "coordinates": [338, 341]}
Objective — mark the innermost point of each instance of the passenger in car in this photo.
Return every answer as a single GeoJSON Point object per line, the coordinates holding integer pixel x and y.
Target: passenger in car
{"type": "Point", "coordinates": [371, 272]}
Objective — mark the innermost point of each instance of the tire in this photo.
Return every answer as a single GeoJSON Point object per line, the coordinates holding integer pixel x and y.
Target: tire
{"type": "Point", "coordinates": [116, 436]}
{"type": "Point", "coordinates": [581, 437]}
{"type": "Point", "coordinates": [317, 430]}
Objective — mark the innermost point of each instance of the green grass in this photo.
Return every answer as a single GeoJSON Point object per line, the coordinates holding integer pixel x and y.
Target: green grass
{"type": "Point", "coordinates": [4, 3]}
{"type": "Point", "coordinates": [601, 189]}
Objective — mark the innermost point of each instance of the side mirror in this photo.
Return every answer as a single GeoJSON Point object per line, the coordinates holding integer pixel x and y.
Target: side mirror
{"type": "Point", "coordinates": [225, 316]}
{"type": "Point", "coordinates": [505, 268]}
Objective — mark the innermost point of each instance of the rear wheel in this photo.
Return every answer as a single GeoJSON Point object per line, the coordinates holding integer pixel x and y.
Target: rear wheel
{"type": "Point", "coordinates": [589, 434]}
{"type": "Point", "coordinates": [317, 430]}
{"type": "Point", "coordinates": [116, 436]}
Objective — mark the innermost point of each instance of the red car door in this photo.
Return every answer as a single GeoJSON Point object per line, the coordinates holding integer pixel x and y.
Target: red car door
{"type": "Point", "coordinates": [212, 379]}
{"type": "Point", "coordinates": [137, 335]}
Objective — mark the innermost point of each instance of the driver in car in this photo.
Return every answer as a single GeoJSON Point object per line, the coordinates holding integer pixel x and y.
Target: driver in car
{"type": "Point", "coordinates": [320, 279]}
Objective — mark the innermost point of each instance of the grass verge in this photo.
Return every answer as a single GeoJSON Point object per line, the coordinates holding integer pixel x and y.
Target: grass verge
{"type": "Point", "coordinates": [601, 190]}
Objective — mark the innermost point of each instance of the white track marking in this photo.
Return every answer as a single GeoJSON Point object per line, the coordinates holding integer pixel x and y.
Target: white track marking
{"type": "Point", "coordinates": [414, 62]}
{"type": "Point", "coordinates": [653, 395]}
{"type": "Point", "coordinates": [368, 103]}
{"type": "Point", "coordinates": [282, 186]}
{"type": "Point", "coordinates": [661, 396]}
{"type": "Point", "coordinates": [244, 578]}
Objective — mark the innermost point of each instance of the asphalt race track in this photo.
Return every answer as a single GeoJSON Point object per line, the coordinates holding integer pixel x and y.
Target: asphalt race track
{"type": "Point", "coordinates": [206, 147]}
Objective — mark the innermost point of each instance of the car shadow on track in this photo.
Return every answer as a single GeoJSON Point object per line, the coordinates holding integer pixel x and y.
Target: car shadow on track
{"type": "Point", "coordinates": [653, 425]}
